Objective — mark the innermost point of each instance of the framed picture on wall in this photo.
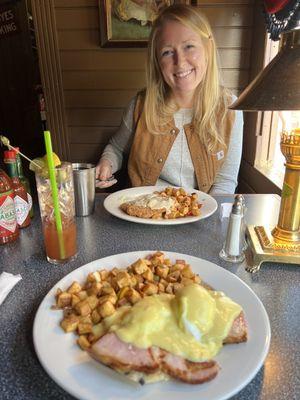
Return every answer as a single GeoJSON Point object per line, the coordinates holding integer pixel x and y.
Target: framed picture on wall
{"type": "Point", "coordinates": [127, 23]}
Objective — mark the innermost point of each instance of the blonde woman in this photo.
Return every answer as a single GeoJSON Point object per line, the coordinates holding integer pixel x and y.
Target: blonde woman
{"type": "Point", "coordinates": [179, 131]}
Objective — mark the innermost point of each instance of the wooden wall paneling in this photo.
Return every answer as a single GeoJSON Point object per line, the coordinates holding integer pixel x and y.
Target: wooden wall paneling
{"type": "Point", "coordinates": [218, 15]}
{"type": "Point", "coordinates": [94, 3]}
{"type": "Point", "coordinates": [90, 134]}
{"type": "Point", "coordinates": [46, 37]}
{"type": "Point", "coordinates": [94, 116]}
{"type": "Point", "coordinates": [88, 39]}
{"type": "Point", "coordinates": [98, 98]}
{"type": "Point", "coordinates": [74, 60]}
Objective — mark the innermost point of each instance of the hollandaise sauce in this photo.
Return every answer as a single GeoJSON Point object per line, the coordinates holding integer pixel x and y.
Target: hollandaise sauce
{"type": "Point", "coordinates": [192, 324]}
{"type": "Point", "coordinates": [154, 201]}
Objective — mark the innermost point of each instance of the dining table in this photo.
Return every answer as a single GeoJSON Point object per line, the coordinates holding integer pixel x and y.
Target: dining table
{"type": "Point", "coordinates": [102, 234]}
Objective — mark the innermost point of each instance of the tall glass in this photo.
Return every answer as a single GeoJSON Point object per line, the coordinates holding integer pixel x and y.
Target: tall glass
{"type": "Point", "coordinates": [59, 248]}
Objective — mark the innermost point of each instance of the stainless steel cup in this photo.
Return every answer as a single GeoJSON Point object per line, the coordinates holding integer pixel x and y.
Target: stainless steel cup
{"type": "Point", "coordinates": [84, 175]}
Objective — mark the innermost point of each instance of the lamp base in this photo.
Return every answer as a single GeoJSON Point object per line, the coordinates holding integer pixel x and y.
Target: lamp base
{"type": "Point", "coordinates": [263, 248]}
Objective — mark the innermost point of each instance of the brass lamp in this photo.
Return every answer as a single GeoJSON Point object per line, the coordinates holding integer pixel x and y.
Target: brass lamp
{"type": "Point", "coordinates": [277, 87]}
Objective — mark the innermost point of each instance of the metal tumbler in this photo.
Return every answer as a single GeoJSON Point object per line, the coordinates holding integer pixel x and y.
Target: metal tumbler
{"type": "Point", "coordinates": [84, 175]}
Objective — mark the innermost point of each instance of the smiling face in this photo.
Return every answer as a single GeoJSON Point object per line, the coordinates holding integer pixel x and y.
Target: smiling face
{"type": "Point", "coordinates": [182, 60]}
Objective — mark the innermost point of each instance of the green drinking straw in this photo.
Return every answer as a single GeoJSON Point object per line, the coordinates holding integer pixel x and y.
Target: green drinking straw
{"type": "Point", "coordinates": [51, 169]}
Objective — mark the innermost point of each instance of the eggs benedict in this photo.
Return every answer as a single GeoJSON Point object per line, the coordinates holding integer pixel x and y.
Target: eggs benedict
{"type": "Point", "coordinates": [171, 335]}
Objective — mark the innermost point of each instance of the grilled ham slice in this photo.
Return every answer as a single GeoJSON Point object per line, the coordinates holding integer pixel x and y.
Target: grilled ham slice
{"type": "Point", "coordinates": [154, 364]}
{"type": "Point", "coordinates": [238, 331]}
{"type": "Point", "coordinates": [125, 357]}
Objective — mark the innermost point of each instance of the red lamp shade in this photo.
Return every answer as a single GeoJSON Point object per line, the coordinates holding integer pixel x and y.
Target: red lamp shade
{"type": "Point", "coordinates": [274, 6]}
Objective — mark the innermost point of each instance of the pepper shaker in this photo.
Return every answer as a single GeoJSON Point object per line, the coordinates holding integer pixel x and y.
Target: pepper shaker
{"type": "Point", "coordinates": [232, 250]}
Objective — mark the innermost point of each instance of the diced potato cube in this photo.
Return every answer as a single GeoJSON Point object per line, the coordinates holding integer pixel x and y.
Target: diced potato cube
{"type": "Point", "coordinates": [70, 323]}
{"type": "Point", "coordinates": [93, 277]}
{"type": "Point", "coordinates": [64, 299]}
{"type": "Point", "coordinates": [108, 290]}
{"type": "Point", "coordinates": [83, 308]}
{"type": "Point", "coordinates": [106, 309]}
{"type": "Point", "coordinates": [75, 300]}
{"type": "Point", "coordinates": [173, 277]}
{"type": "Point", "coordinates": [87, 319]}
{"type": "Point", "coordinates": [93, 301]}
{"type": "Point", "coordinates": [148, 275]}
{"type": "Point", "coordinates": [114, 272]}
{"type": "Point", "coordinates": [139, 266]}
{"type": "Point", "coordinates": [98, 331]}
{"type": "Point", "coordinates": [123, 279]}
{"type": "Point", "coordinates": [58, 292]}
{"type": "Point", "coordinates": [164, 282]}
{"type": "Point", "coordinates": [177, 286]}
{"type": "Point", "coordinates": [83, 328]}
{"type": "Point", "coordinates": [169, 288]}
{"type": "Point", "coordinates": [104, 274]}
{"type": "Point", "coordinates": [133, 280]}
{"type": "Point", "coordinates": [122, 302]}
{"type": "Point", "coordinates": [83, 342]}
{"type": "Point", "coordinates": [139, 279]}
{"type": "Point", "coordinates": [95, 289]}
{"type": "Point", "coordinates": [133, 296]}
{"type": "Point", "coordinates": [161, 288]}
{"type": "Point", "coordinates": [123, 292]}
{"type": "Point", "coordinates": [95, 317]}
{"type": "Point", "coordinates": [186, 281]}
{"type": "Point", "coordinates": [162, 271]}
{"type": "Point", "coordinates": [74, 288]}
{"type": "Point", "coordinates": [187, 272]}
{"type": "Point", "coordinates": [82, 295]}
{"type": "Point", "coordinates": [107, 297]}
{"type": "Point", "coordinates": [150, 288]}
{"type": "Point", "coordinates": [177, 267]}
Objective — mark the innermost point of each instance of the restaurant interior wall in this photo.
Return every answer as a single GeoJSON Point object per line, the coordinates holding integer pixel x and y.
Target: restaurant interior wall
{"type": "Point", "coordinates": [98, 82]}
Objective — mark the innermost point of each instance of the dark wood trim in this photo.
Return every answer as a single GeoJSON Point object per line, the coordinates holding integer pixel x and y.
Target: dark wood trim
{"type": "Point", "coordinates": [253, 119]}
{"type": "Point", "coordinates": [250, 179]}
{"type": "Point", "coordinates": [43, 13]}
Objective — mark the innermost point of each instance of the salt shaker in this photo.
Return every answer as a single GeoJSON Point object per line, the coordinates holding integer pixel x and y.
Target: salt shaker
{"type": "Point", "coordinates": [232, 250]}
{"type": "Point", "coordinates": [241, 199]}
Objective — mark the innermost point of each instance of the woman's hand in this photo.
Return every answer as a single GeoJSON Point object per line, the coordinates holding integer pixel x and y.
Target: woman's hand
{"type": "Point", "coordinates": [104, 177]}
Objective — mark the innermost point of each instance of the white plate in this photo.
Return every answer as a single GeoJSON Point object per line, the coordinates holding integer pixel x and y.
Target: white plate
{"type": "Point", "coordinates": [85, 378]}
{"type": "Point", "coordinates": [113, 201]}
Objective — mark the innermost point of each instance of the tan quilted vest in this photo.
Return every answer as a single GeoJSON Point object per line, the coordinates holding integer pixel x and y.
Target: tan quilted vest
{"type": "Point", "coordinates": [149, 151]}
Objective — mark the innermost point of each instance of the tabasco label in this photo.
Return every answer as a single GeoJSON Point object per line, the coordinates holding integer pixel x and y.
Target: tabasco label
{"type": "Point", "coordinates": [22, 209]}
{"type": "Point", "coordinates": [7, 214]}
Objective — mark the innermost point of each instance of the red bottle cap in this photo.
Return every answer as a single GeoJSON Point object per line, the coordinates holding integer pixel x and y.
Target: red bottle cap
{"type": "Point", "coordinates": [9, 155]}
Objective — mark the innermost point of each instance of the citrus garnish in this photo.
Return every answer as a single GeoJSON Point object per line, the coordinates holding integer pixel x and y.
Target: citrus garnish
{"type": "Point", "coordinates": [56, 159]}
{"type": "Point", "coordinates": [40, 164]}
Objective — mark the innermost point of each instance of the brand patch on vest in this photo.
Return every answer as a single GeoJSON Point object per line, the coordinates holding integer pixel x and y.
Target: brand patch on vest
{"type": "Point", "coordinates": [220, 155]}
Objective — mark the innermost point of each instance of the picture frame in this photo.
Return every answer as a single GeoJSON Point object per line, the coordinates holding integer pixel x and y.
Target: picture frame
{"type": "Point", "coordinates": [127, 23]}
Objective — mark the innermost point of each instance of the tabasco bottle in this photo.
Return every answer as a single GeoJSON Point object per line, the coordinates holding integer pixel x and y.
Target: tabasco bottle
{"type": "Point", "coordinates": [9, 230]}
{"type": "Point", "coordinates": [21, 199]}
{"type": "Point", "coordinates": [24, 180]}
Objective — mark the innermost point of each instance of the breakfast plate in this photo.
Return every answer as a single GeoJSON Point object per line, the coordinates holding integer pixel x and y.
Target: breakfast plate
{"type": "Point", "coordinates": [86, 379]}
{"type": "Point", "coordinates": [113, 201]}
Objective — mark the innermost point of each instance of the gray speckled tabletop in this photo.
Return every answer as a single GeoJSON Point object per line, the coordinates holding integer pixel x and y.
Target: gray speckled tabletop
{"type": "Point", "coordinates": [101, 235]}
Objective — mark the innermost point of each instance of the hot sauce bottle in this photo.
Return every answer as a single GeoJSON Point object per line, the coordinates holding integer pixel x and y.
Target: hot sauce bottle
{"type": "Point", "coordinates": [24, 180]}
{"type": "Point", "coordinates": [9, 230]}
{"type": "Point", "coordinates": [21, 199]}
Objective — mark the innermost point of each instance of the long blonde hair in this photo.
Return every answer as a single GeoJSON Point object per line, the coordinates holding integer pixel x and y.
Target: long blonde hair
{"type": "Point", "coordinates": [210, 98]}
